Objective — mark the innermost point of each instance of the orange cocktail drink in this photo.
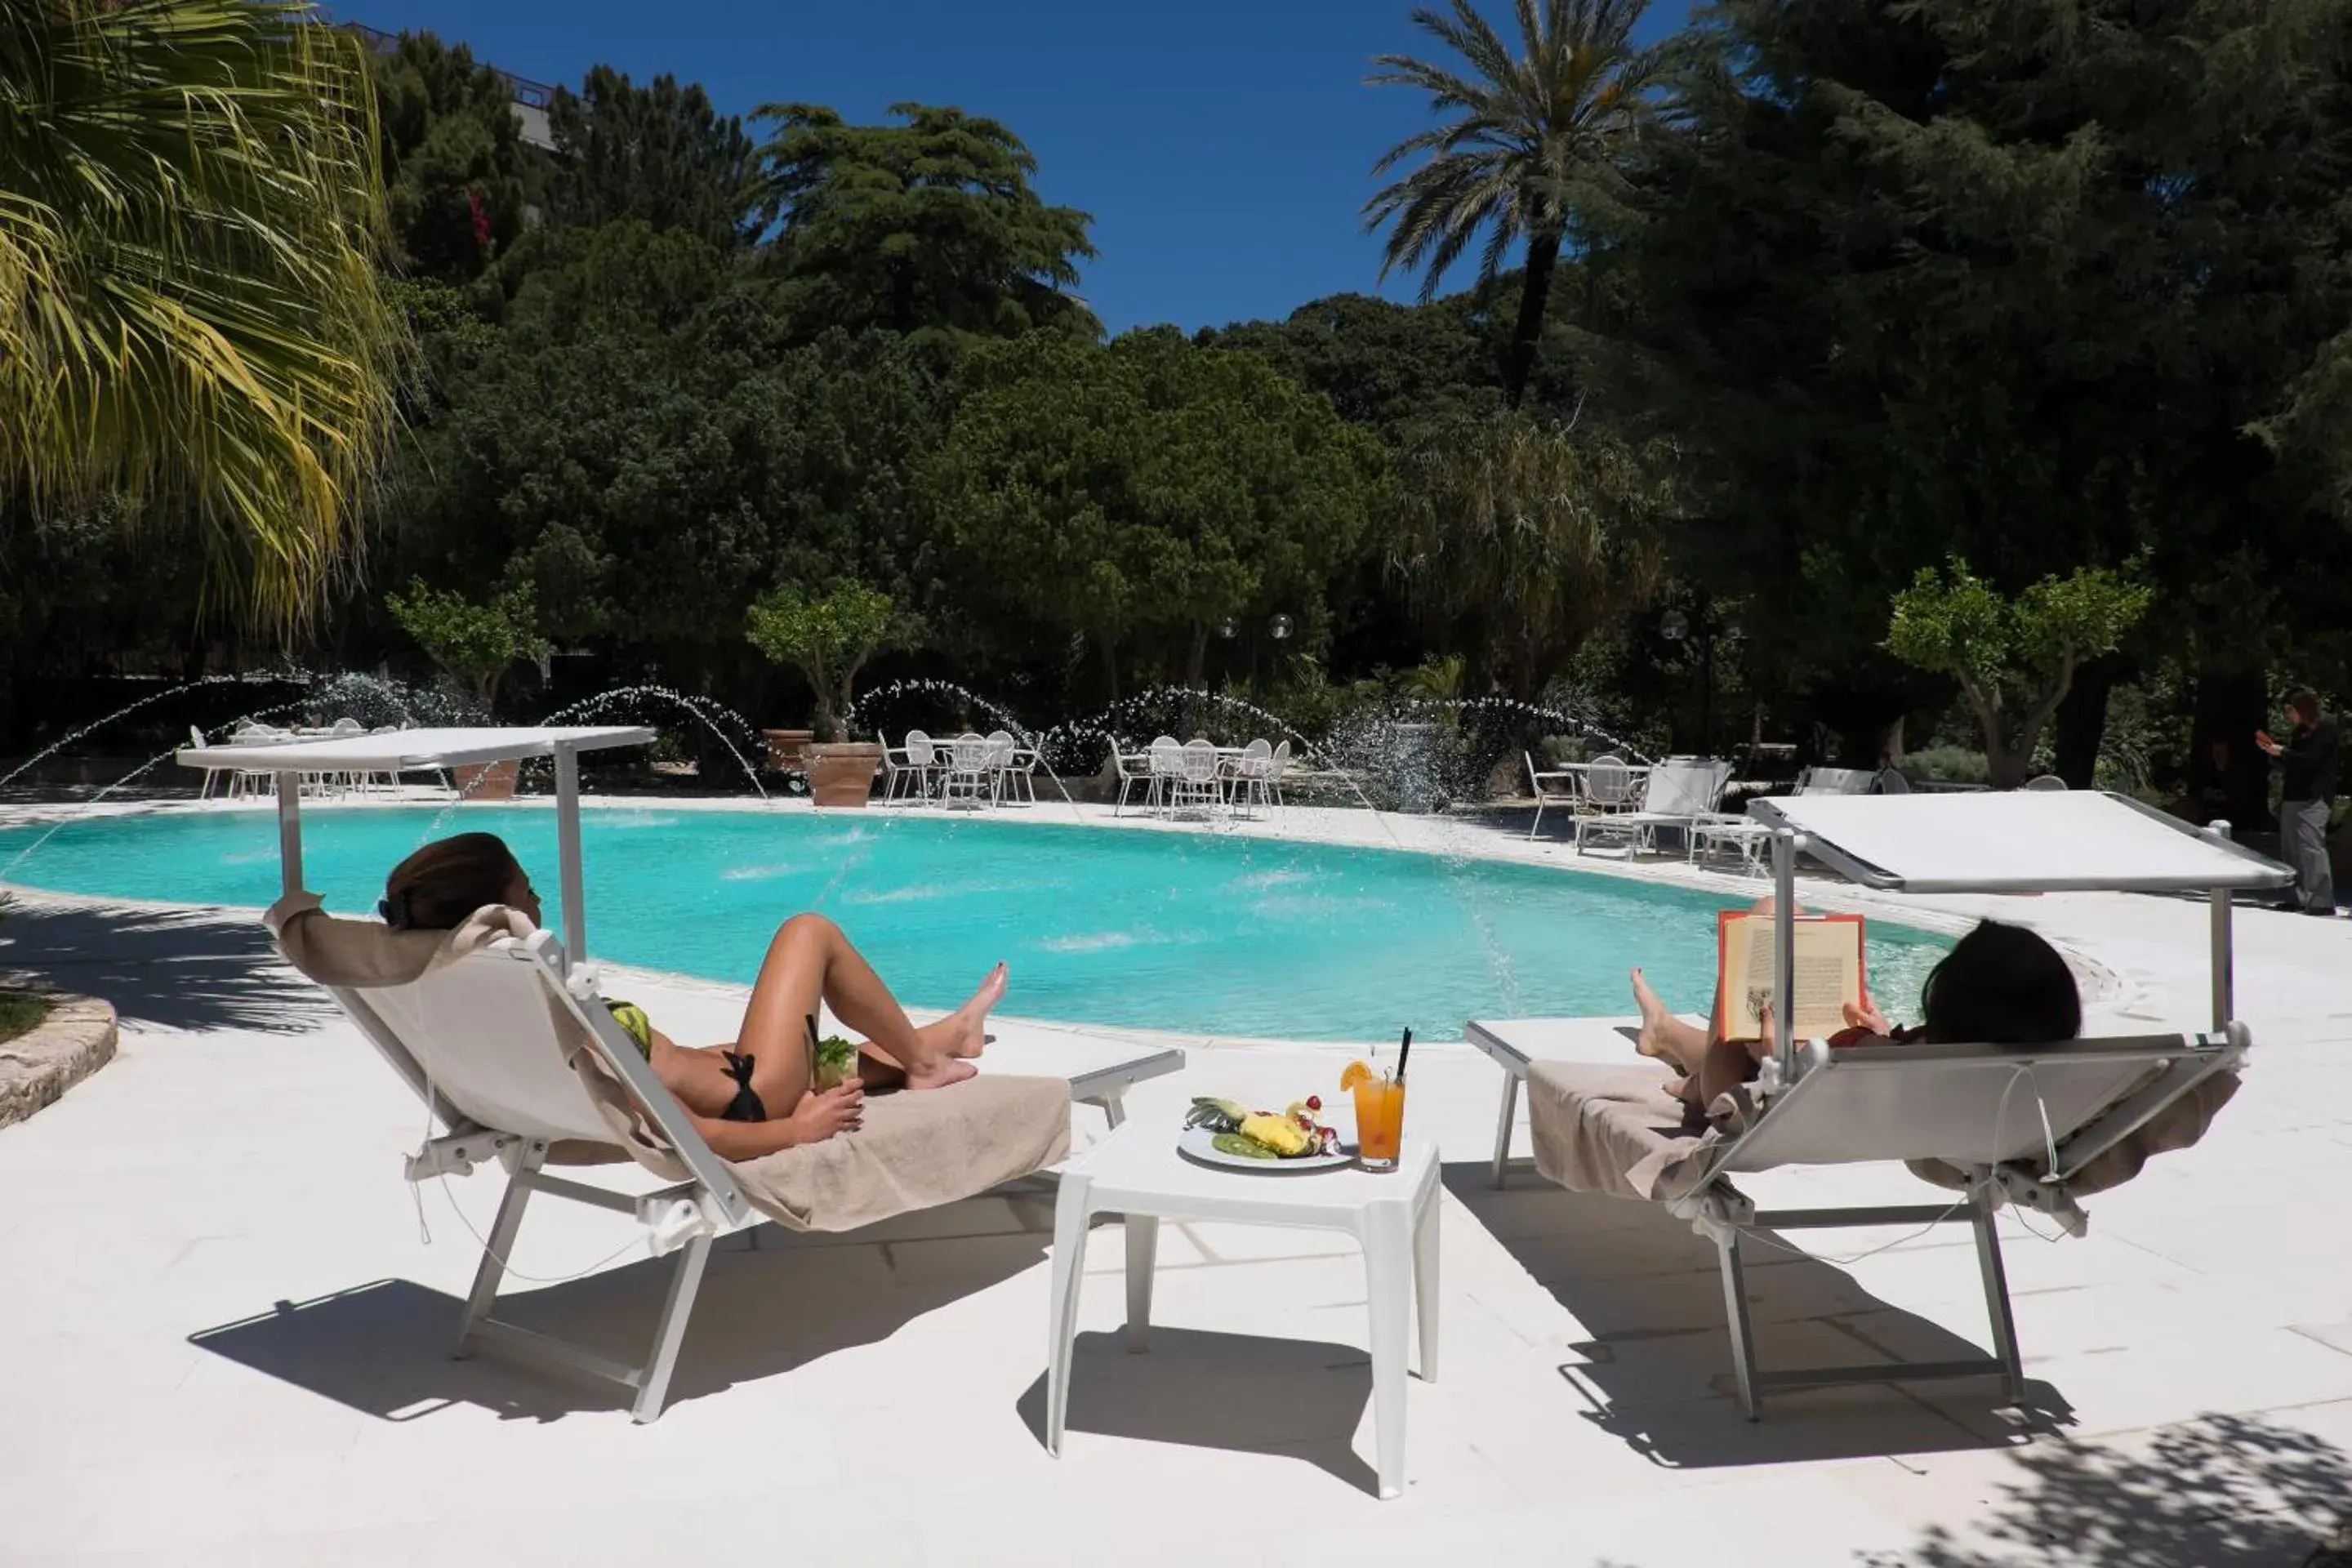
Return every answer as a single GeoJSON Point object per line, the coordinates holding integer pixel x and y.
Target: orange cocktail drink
{"type": "Point", "coordinates": [1379, 1122]}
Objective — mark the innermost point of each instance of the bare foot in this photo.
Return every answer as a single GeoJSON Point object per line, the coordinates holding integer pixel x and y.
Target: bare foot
{"type": "Point", "coordinates": [967, 1027]}
{"type": "Point", "coordinates": [939, 1072]}
{"type": "Point", "coordinates": [1651, 1040]}
{"type": "Point", "coordinates": [952, 1042]}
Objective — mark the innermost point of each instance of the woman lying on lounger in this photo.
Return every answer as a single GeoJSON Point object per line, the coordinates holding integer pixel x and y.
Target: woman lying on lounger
{"type": "Point", "coordinates": [2000, 985]}
{"type": "Point", "coordinates": [753, 1095]}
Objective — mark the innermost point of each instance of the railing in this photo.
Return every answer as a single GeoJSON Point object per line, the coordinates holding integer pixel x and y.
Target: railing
{"type": "Point", "coordinates": [522, 89]}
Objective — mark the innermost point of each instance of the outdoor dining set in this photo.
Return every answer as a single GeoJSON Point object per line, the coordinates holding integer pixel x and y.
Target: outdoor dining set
{"type": "Point", "coordinates": [1201, 778]}
{"type": "Point", "coordinates": [967, 770]}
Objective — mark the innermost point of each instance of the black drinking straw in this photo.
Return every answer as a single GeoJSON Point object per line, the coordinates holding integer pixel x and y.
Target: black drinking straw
{"type": "Point", "coordinates": [1404, 1049]}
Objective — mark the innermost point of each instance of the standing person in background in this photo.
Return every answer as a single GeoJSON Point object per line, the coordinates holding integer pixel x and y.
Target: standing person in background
{"type": "Point", "coordinates": [2309, 759]}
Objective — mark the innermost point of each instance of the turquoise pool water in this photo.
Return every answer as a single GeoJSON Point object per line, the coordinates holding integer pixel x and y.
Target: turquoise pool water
{"type": "Point", "coordinates": [1186, 932]}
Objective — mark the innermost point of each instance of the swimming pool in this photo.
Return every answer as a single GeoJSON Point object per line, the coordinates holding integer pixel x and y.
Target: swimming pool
{"type": "Point", "coordinates": [1193, 932]}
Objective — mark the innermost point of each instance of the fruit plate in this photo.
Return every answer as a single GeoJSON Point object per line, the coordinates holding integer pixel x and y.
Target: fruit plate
{"type": "Point", "coordinates": [1198, 1143]}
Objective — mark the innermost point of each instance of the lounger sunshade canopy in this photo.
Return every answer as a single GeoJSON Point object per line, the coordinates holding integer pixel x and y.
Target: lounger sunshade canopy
{"type": "Point", "coordinates": [2020, 842]}
{"type": "Point", "coordinates": [395, 750]}
{"type": "Point", "coordinates": [401, 750]}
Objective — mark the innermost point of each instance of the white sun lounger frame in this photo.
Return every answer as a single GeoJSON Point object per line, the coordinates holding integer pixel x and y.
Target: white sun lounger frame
{"type": "Point", "coordinates": [1837, 1107]}
{"type": "Point", "coordinates": [683, 1217]}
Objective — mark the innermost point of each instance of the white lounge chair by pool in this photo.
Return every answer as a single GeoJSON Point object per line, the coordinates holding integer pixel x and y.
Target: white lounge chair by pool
{"type": "Point", "coordinates": [2030, 1126]}
{"type": "Point", "coordinates": [506, 1042]}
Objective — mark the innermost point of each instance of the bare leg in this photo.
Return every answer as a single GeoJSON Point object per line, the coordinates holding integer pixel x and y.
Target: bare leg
{"type": "Point", "coordinates": [1710, 1067]}
{"type": "Point", "coordinates": [810, 962]}
{"type": "Point", "coordinates": [1680, 1045]}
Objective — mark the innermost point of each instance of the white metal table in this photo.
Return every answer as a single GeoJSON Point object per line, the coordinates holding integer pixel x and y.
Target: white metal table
{"type": "Point", "coordinates": [1138, 1173]}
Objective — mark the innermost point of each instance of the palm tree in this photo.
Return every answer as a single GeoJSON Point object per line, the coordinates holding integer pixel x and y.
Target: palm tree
{"type": "Point", "coordinates": [191, 311]}
{"type": "Point", "coordinates": [1535, 149]}
{"type": "Point", "coordinates": [1518, 539]}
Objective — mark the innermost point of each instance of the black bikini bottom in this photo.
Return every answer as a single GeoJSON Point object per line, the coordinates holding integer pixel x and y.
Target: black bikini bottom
{"type": "Point", "coordinates": [745, 1106]}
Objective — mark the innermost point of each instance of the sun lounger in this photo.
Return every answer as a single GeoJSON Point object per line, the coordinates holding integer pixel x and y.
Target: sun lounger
{"type": "Point", "coordinates": [1679, 793]}
{"type": "Point", "coordinates": [523, 1065]}
{"type": "Point", "coordinates": [2034, 1127]}
{"type": "Point", "coordinates": [498, 1028]}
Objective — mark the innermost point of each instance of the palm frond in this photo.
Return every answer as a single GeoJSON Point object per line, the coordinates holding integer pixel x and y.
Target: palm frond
{"type": "Point", "coordinates": [190, 301]}
{"type": "Point", "coordinates": [1551, 124]}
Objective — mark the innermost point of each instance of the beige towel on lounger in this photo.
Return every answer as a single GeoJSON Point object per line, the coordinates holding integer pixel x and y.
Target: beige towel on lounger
{"type": "Point", "coordinates": [1615, 1130]}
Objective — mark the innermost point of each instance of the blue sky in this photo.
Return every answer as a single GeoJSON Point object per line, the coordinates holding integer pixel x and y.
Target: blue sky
{"type": "Point", "coordinates": [1223, 146]}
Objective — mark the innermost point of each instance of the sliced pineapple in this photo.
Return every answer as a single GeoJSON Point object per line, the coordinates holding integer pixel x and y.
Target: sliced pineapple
{"type": "Point", "coordinates": [1279, 1133]}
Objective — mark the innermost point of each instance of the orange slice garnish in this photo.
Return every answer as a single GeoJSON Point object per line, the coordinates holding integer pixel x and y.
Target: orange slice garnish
{"type": "Point", "coordinates": [1355, 1072]}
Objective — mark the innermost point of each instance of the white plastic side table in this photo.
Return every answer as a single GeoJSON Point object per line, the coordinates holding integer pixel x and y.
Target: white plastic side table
{"type": "Point", "coordinates": [1138, 1174]}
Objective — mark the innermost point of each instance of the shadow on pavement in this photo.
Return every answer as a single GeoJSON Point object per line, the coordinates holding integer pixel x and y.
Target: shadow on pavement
{"type": "Point", "coordinates": [2220, 1490]}
{"type": "Point", "coordinates": [384, 1348]}
{"type": "Point", "coordinates": [179, 969]}
{"type": "Point", "coordinates": [1656, 1368]}
{"type": "Point", "coordinates": [1295, 1398]}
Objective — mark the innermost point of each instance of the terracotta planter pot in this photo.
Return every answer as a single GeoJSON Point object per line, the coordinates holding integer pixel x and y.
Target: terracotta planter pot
{"type": "Point", "coordinates": [843, 774]}
{"type": "Point", "coordinates": [787, 749]}
{"type": "Point", "coordinates": [486, 781]}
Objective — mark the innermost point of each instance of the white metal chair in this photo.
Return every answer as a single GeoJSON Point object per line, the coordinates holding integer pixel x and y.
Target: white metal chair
{"type": "Point", "coordinates": [1202, 784]}
{"type": "Point", "coordinates": [1166, 757]}
{"type": "Point", "coordinates": [1001, 754]}
{"type": "Point", "coordinates": [1021, 775]}
{"type": "Point", "coordinates": [917, 760]}
{"type": "Point", "coordinates": [1557, 786]}
{"type": "Point", "coordinates": [1130, 768]}
{"type": "Point", "coordinates": [1253, 775]}
{"type": "Point", "coordinates": [1610, 785]}
{"type": "Point", "coordinates": [2045, 781]}
{"type": "Point", "coordinates": [211, 775]}
{"type": "Point", "coordinates": [1280, 770]}
{"type": "Point", "coordinates": [968, 776]}
{"type": "Point", "coordinates": [250, 732]}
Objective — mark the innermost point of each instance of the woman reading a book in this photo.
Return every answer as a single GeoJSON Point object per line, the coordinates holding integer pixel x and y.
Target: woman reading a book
{"type": "Point", "coordinates": [2001, 984]}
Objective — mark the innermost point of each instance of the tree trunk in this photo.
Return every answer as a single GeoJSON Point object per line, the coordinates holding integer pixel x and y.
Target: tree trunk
{"type": "Point", "coordinates": [1534, 291]}
{"type": "Point", "coordinates": [1111, 663]}
{"type": "Point", "coordinates": [2231, 706]}
{"type": "Point", "coordinates": [2081, 722]}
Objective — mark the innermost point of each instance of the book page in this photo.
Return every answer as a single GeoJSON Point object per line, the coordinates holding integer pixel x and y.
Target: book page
{"type": "Point", "coordinates": [1828, 973]}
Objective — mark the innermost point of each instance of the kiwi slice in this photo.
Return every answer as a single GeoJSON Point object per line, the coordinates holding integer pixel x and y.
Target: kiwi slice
{"type": "Point", "coordinates": [1247, 1148]}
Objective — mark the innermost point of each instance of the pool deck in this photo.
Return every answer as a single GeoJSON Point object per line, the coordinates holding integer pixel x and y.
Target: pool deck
{"type": "Point", "coordinates": [876, 1398]}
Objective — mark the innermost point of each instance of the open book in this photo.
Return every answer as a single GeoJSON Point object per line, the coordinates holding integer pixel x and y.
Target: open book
{"type": "Point", "coordinates": [1828, 973]}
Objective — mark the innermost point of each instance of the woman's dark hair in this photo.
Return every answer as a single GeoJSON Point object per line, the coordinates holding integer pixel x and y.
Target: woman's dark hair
{"type": "Point", "coordinates": [2303, 703]}
{"type": "Point", "coordinates": [2001, 986]}
{"type": "Point", "coordinates": [437, 886]}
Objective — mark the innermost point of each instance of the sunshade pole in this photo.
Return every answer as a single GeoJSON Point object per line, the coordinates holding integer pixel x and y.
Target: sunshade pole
{"type": "Point", "coordinates": [2224, 957]}
{"type": "Point", "coordinates": [1784, 952]}
{"type": "Point", "coordinates": [289, 832]}
{"type": "Point", "coordinates": [567, 852]}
